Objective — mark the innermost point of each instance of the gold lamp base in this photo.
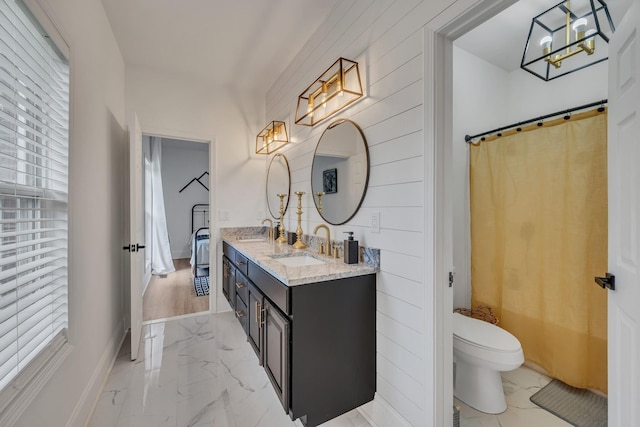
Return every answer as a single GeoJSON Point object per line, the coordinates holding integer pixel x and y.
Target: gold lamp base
{"type": "Point", "coordinates": [299, 244]}
{"type": "Point", "coordinates": [281, 234]}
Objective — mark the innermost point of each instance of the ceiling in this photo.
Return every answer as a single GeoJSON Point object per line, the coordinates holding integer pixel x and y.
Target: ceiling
{"type": "Point", "coordinates": [501, 40]}
{"type": "Point", "coordinates": [239, 43]}
{"type": "Point", "coordinates": [247, 44]}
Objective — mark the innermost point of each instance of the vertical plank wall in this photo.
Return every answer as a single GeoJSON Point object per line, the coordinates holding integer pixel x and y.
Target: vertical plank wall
{"type": "Point", "coordinates": [386, 38]}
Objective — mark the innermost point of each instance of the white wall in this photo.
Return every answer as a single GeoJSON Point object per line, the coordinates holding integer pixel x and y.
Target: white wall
{"type": "Point", "coordinates": [486, 97]}
{"type": "Point", "coordinates": [174, 106]}
{"type": "Point", "coordinates": [181, 162]}
{"type": "Point", "coordinates": [387, 39]}
{"type": "Point", "coordinates": [98, 173]}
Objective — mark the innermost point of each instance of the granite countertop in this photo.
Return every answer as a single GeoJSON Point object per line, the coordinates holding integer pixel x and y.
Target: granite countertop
{"type": "Point", "coordinates": [265, 254]}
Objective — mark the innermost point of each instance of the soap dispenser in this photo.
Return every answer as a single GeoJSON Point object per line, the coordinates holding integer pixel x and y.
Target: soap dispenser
{"type": "Point", "coordinates": [350, 249]}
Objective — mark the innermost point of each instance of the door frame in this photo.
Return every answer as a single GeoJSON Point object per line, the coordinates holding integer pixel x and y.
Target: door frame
{"type": "Point", "coordinates": [439, 34]}
{"type": "Point", "coordinates": [213, 225]}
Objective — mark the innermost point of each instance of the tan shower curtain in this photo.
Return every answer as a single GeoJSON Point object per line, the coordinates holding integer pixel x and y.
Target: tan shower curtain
{"type": "Point", "coordinates": [539, 236]}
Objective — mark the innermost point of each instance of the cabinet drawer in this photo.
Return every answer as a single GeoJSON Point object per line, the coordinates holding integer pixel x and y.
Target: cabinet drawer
{"type": "Point", "coordinates": [272, 288]}
{"type": "Point", "coordinates": [241, 263]}
{"type": "Point", "coordinates": [228, 251]}
{"type": "Point", "coordinates": [241, 313]}
{"type": "Point", "coordinates": [241, 285]}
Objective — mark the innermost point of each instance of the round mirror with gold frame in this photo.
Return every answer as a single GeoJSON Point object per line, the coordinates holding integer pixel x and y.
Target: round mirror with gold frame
{"type": "Point", "coordinates": [278, 182]}
{"type": "Point", "coordinates": [340, 171]}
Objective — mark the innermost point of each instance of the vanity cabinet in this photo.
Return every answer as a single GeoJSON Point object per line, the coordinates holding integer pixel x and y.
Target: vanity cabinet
{"type": "Point", "coordinates": [229, 281]}
{"type": "Point", "coordinates": [316, 341]}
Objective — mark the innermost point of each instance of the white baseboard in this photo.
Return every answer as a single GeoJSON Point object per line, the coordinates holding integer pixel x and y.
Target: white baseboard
{"type": "Point", "coordinates": [89, 399]}
{"type": "Point", "coordinates": [379, 413]}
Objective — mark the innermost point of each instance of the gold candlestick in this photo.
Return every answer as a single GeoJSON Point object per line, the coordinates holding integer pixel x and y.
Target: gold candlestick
{"type": "Point", "coordinates": [281, 237]}
{"type": "Point", "coordinates": [299, 244]}
{"type": "Point", "coordinates": [320, 194]}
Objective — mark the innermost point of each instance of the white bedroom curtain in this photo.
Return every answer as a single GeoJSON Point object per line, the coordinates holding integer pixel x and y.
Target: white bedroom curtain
{"type": "Point", "coordinates": [161, 262]}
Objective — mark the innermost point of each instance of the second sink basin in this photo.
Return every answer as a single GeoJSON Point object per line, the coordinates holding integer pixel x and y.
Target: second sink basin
{"type": "Point", "coordinates": [300, 260]}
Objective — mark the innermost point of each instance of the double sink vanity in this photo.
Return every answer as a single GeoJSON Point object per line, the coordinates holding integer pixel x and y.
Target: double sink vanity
{"type": "Point", "coordinates": [310, 318]}
{"type": "Point", "coordinates": [311, 321]}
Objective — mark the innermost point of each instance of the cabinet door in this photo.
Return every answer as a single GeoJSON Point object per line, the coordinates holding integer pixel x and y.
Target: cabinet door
{"type": "Point", "coordinates": [276, 351]}
{"type": "Point", "coordinates": [229, 282]}
{"type": "Point", "coordinates": [254, 309]}
{"type": "Point", "coordinates": [225, 277]}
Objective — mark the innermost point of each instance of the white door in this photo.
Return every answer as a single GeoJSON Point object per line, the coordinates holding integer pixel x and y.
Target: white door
{"type": "Point", "coordinates": [136, 218]}
{"type": "Point", "coordinates": [624, 218]}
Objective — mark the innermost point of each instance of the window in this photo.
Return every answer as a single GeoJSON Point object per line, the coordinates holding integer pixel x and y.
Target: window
{"type": "Point", "coordinates": [34, 145]}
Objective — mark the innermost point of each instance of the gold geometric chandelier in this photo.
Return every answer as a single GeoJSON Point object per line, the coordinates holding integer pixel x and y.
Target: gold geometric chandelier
{"type": "Point", "coordinates": [563, 38]}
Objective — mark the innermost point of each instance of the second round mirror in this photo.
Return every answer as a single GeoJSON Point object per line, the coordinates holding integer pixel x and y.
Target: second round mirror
{"type": "Point", "coordinates": [278, 182]}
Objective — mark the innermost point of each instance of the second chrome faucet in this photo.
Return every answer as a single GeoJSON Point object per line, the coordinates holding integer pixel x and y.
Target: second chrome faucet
{"type": "Point", "coordinates": [328, 250]}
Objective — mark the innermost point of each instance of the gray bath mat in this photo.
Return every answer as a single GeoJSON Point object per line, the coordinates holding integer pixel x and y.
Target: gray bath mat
{"type": "Point", "coordinates": [578, 407]}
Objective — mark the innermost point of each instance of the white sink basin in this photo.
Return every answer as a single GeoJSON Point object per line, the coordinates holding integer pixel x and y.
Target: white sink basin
{"type": "Point", "coordinates": [299, 260]}
{"type": "Point", "coordinates": [250, 239]}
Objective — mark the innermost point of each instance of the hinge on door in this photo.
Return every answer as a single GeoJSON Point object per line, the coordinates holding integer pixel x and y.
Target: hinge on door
{"type": "Point", "coordinates": [450, 278]}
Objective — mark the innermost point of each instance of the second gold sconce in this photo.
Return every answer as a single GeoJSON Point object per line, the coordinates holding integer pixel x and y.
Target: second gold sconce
{"type": "Point", "coordinates": [271, 138]}
{"type": "Point", "coordinates": [336, 88]}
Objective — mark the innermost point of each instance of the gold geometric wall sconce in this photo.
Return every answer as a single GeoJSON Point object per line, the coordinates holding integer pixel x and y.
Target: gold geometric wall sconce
{"type": "Point", "coordinates": [336, 88]}
{"type": "Point", "coordinates": [271, 138]}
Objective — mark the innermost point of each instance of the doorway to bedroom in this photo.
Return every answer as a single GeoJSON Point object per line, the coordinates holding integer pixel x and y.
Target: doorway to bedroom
{"type": "Point", "coordinates": [176, 198]}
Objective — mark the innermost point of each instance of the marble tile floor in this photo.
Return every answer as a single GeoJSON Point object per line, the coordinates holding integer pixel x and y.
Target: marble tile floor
{"type": "Point", "coordinates": [195, 372]}
{"type": "Point", "coordinates": [519, 385]}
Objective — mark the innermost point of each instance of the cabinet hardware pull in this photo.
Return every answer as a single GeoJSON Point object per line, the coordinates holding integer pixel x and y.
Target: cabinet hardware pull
{"type": "Point", "coordinates": [239, 314]}
{"type": "Point", "coordinates": [239, 285]}
{"type": "Point", "coordinates": [240, 263]}
{"type": "Point", "coordinates": [263, 315]}
{"type": "Point", "coordinates": [258, 312]}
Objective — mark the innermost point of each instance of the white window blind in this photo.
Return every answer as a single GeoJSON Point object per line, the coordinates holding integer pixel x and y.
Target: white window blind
{"type": "Point", "coordinates": [34, 145]}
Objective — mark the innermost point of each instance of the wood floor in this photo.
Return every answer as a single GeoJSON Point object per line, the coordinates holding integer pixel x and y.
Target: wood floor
{"type": "Point", "coordinates": [173, 295]}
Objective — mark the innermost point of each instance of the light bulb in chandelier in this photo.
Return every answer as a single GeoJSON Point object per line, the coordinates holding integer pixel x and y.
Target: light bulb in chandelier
{"type": "Point", "coordinates": [590, 41]}
{"type": "Point", "coordinates": [545, 43]}
{"type": "Point", "coordinates": [579, 26]}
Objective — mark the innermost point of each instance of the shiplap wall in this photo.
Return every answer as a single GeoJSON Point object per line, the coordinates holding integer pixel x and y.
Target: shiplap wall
{"type": "Point", "coordinates": [386, 38]}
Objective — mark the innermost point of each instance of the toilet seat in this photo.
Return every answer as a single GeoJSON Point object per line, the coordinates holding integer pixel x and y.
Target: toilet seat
{"type": "Point", "coordinates": [483, 335]}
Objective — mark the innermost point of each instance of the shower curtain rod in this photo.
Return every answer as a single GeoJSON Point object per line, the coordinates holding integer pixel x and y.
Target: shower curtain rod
{"type": "Point", "coordinates": [469, 139]}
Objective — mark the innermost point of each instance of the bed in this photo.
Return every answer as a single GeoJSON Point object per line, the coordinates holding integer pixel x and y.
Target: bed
{"type": "Point", "coordinates": [200, 248]}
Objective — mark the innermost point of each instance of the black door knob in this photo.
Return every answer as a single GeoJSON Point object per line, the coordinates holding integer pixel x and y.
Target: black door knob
{"type": "Point", "coordinates": [607, 282]}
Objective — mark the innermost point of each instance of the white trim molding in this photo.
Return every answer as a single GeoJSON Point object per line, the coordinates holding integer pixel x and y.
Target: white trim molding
{"type": "Point", "coordinates": [459, 18]}
{"type": "Point", "coordinates": [379, 413]}
{"type": "Point", "coordinates": [85, 406]}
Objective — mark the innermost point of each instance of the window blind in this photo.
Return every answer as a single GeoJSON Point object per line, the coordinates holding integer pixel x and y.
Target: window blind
{"type": "Point", "coordinates": [34, 163]}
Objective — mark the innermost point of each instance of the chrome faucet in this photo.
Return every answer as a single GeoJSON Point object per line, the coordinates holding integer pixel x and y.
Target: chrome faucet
{"type": "Point", "coordinates": [315, 230]}
{"type": "Point", "coordinates": [270, 229]}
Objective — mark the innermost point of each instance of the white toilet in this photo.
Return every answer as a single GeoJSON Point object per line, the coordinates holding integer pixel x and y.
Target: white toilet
{"type": "Point", "coordinates": [480, 352]}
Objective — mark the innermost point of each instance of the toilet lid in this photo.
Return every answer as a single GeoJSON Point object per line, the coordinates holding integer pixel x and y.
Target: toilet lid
{"type": "Point", "coordinates": [484, 334]}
